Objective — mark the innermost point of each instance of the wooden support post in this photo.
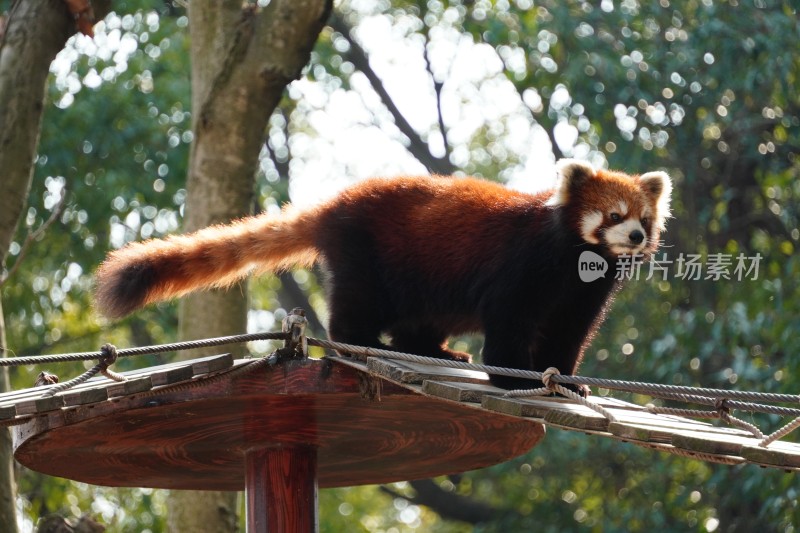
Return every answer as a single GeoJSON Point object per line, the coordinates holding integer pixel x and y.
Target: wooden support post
{"type": "Point", "coordinates": [281, 490]}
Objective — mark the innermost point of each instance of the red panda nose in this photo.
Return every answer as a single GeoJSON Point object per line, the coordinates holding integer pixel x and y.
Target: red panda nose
{"type": "Point", "coordinates": [636, 237]}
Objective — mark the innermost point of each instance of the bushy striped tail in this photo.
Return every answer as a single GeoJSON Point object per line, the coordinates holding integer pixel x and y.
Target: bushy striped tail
{"type": "Point", "coordinates": [145, 272]}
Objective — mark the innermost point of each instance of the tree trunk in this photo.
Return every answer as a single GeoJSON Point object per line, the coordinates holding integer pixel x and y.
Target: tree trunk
{"type": "Point", "coordinates": [241, 61]}
{"type": "Point", "coordinates": [8, 486]}
{"type": "Point", "coordinates": [35, 31]}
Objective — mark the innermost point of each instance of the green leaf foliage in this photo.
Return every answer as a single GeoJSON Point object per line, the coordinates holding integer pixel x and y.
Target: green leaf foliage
{"type": "Point", "coordinates": [707, 91]}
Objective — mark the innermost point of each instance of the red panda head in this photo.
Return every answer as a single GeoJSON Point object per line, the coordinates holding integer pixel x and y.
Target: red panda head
{"type": "Point", "coordinates": [624, 214]}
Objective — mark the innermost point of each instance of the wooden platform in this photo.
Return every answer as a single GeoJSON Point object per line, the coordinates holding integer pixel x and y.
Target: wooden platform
{"type": "Point", "coordinates": [713, 442]}
{"type": "Point", "coordinates": [189, 424]}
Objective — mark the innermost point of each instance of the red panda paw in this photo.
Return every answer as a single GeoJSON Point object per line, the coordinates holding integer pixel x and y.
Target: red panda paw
{"type": "Point", "coordinates": [464, 357]}
{"type": "Point", "coordinates": [582, 390]}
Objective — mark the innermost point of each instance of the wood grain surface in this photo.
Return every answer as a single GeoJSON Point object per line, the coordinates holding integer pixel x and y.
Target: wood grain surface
{"type": "Point", "coordinates": [281, 489]}
{"type": "Point", "coordinates": [366, 429]}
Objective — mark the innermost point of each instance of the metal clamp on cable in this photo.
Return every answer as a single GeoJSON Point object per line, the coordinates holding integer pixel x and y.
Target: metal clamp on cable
{"type": "Point", "coordinates": [296, 343]}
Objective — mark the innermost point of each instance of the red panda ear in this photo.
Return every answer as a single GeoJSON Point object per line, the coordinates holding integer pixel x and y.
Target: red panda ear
{"type": "Point", "coordinates": [658, 187]}
{"type": "Point", "coordinates": [572, 174]}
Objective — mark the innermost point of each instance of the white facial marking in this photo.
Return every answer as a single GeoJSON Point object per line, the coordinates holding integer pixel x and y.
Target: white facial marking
{"type": "Point", "coordinates": [622, 208]}
{"type": "Point", "coordinates": [589, 224]}
{"type": "Point", "coordinates": [618, 238]}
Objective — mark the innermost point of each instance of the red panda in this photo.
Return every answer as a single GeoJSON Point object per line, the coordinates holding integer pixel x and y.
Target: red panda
{"type": "Point", "coordinates": [425, 258]}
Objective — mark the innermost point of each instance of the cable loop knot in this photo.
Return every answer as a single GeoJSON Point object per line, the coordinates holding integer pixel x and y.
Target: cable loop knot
{"type": "Point", "coordinates": [724, 413]}
{"type": "Point", "coordinates": [547, 378]}
{"type": "Point", "coordinates": [108, 354]}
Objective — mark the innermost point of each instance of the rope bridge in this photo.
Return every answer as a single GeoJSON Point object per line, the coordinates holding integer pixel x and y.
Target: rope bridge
{"type": "Point", "coordinates": [667, 429]}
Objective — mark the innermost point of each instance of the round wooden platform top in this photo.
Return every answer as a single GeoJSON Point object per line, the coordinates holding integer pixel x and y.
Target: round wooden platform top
{"type": "Point", "coordinates": [365, 429]}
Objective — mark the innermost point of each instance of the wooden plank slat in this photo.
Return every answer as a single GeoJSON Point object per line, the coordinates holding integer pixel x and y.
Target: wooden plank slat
{"type": "Point", "coordinates": [132, 386]}
{"type": "Point", "coordinates": [668, 422]}
{"type": "Point", "coordinates": [99, 388]}
{"type": "Point", "coordinates": [659, 430]}
{"type": "Point", "coordinates": [558, 411]}
{"type": "Point", "coordinates": [84, 390]}
{"type": "Point", "coordinates": [632, 423]}
{"type": "Point", "coordinates": [39, 405]}
{"type": "Point", "coordinates": [202, 365]}
{"type": "Point", "coordinates": [641, 432]}
{"type": "Point", "coordinates": [782, 454]}
{"type": "Point", "coordinates": [460, 392]}
{"type": "Point", "coordinates": [513, 407]}
{"type": "Point", "coordinates": [527, 407]}
{"type": "Point", "coordinates": [717, 443]}
{"type": "Point", "coordinates": [9, 398]}
{"type": "Point", "coordinates": [85, 396]}
{"type": "Point", "coordinates": [214, 363]}
{"type": "Point", "coordinates": [172, 375]}
{"type": "Point", "coordinates": [537, 406]}
{"type": "Point", "coordinates": [406, 372]}
{"type": "Point", "coordinates": [581, 418]}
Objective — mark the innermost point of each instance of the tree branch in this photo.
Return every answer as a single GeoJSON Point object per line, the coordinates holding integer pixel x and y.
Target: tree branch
{"type": "Point", "coordinates": [547, 125]}
{"type": "Point", "coordinates": [448, 504]}
{"type": "Point", "coordinates": [553, 144]}
{"type": "Point", "coordinates": [418, 147]}
{"type": "Point", "coordinates": [33, 235]}
{"type": "Point", "coordinates": [437, 88]}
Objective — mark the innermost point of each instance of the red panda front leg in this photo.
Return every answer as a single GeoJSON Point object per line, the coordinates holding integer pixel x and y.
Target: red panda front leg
{"type": "Point", "coordinates": [563, 351]}
{"type": "Point", "coordinates": [565, 335]}
{"type": "Point", "coordinates": [507, 347]}
{"type": "Point", "coordinates": [519, 347]}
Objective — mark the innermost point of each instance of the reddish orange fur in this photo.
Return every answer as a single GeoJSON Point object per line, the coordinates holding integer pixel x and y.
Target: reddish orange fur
{"type": "Point", "coordinates": [216, 256]}
{"type": "Point", "coordinates": [610, 187]}
{"type": "Point", "coordinates": [424, 258]}
{"type": "Point", "coordinates": [440, 226]}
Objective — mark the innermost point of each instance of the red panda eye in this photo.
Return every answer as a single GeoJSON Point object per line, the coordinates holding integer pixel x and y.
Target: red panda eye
{"type": "Point", "coordinates": [615, 217]}
{"type": "Point", "coordinates": [645, 221]}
